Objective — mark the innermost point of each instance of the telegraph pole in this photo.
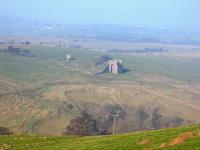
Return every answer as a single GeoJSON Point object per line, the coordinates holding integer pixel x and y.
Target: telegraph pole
{"type": "Point", "coordinates": [113, 127]}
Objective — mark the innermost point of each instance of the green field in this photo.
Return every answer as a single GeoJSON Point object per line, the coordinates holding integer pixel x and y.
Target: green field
{"type": "Point", "coordinates": [33, 90]}
{"type": "Point", "coordinates": [187, 137]}
{"type": "Point", "coordinates": [48, 65]}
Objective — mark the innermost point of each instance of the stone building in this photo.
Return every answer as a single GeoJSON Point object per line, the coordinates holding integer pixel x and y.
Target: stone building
{"type": "Point", "coordinates": [113, 66]}
{"type": "Point", "coordinates": [69, 58]}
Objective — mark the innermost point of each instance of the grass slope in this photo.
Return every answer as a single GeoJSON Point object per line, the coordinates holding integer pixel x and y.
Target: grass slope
{"type": "Point", "coordinates": [35, 88]}
{"type": "Point", "coordinates": [186, 137]}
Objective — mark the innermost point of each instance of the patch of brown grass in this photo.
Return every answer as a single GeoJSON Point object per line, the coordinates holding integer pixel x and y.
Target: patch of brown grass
{"type": "Point", "coordinates": [163, 145]}
{"type": "Point", "coordinates": [180, 139]}
{"type": "Point", "coordinates": [146, 149]}
{"type": "Point", "coordinates": [5, 147]}
{"type": "Point", "coordinates": [144, 141]}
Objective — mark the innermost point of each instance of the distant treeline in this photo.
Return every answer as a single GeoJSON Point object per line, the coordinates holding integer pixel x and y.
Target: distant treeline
{"type": "Point", "coordinates": [145, 50]}
{"type": "Point", "coordinates": [17, 51]}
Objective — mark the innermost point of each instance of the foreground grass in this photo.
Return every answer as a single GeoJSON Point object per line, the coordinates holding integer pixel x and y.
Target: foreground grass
{"type": "Point", "coordinates": [151, 140]}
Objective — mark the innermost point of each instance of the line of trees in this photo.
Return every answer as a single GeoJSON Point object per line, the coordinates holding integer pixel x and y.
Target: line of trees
{"type": "Point", "coordinates": [17, 51]}
{"type": "Point", "coordinates": [98, 120]}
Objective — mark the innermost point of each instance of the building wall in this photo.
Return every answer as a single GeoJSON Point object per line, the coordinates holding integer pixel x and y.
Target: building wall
{"type": "Point", "coordinates": [114, 68]}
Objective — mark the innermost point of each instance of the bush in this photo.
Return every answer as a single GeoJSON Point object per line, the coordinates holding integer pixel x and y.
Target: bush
{"type": "Point", "coordinates": [102, 59]}
{"type": "Point", "coordinates": [83, 125]}
{"type": "Point", "coordinates": [5, 131]}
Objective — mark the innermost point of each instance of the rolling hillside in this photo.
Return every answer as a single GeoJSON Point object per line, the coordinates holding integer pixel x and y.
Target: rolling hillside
{"type": "Point", "coordinates": [186, 137]}
{"type": "Point", "coordinates": [42, 92]}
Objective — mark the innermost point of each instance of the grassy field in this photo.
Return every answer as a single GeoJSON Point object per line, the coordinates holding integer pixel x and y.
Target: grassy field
{"type": "Point", "coordinates": [33, 90]}
{"type": "Point", "coordinates": [186, 137]}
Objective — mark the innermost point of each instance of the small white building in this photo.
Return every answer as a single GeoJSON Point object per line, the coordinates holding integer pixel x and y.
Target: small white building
{"type": "Point", "coordinates": [69, 58]}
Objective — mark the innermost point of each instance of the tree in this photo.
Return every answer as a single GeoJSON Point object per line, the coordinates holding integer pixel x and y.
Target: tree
{"type": "Point", "coordinates": [156, 119]}
{"type": "Point", "coordinates": [142, 116]}
{"type": "Point", "coordinates": [83, 125]}
{"type": "Point", "coordinates": [102, 59]}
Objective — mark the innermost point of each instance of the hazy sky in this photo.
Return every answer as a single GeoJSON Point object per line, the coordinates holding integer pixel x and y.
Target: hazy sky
{"type": "Point", "coordinates": [168, 14]}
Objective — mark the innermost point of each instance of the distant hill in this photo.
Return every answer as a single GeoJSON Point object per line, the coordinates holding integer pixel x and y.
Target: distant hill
{"type": "Point", "coordinates": [186, 137]}
{"type": "Point", "coordinates": [18, 26]}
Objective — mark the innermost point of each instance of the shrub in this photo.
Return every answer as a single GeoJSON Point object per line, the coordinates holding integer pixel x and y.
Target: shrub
{"type": "Point", "coordinates": [102, 59]}
{"type": "Point", "coordinates": [5, 131]}
{"type": "Point", "coordinates": [83, 125]}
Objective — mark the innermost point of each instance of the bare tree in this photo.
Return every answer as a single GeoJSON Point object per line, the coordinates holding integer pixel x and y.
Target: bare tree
{"type": "Point", "coordinates": [83, 125]}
